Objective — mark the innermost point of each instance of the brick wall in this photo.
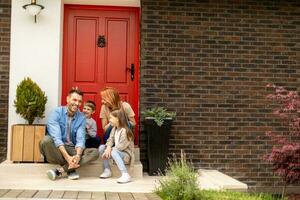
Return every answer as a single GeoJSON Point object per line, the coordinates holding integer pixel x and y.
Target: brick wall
{"type": "Point", "coordinates": [4, 73]}
{"type": "Point", "coordinates": [210, 61]}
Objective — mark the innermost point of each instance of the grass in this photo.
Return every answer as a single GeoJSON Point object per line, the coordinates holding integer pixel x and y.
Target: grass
{"type": "Point", "coordinates": [228, 195]}
{"type": "Point", "coordinates": [224, 195]}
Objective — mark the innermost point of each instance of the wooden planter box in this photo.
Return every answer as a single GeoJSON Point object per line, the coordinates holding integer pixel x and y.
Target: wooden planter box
{"type": "Point", "coordinates": [25, 142]}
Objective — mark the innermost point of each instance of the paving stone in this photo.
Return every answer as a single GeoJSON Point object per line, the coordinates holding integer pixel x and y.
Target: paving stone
{"type": "Point", "coordinates": [27, 194]}
{"type": "Point", "coordinates": [56, 194]}
{"type": "Point", "coordinates": [42, 194]}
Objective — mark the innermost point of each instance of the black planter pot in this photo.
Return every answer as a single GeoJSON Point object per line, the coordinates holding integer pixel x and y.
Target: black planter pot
{"type": "Point", "coordinates": [157, 145]}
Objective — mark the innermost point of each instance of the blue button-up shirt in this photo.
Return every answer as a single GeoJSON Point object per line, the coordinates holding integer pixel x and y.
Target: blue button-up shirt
{"type": "Point", "coordinates": [57, 124]}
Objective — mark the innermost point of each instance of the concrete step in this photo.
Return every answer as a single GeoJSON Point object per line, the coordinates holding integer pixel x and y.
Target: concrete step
{"type": "Point", "coordinates": [215, 180]}
{"type": "Point", "coordinates": [31, 177]}
{"type": "Point", "coordinates": [96, 168]}
{"type": "Point", "coordinates": [91, 170]}
{"type": "Point", "coordinates": [137, 154]}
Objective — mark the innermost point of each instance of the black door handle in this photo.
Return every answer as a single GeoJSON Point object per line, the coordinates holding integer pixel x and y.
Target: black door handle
{"type": "Point", "coordinates": [131, 69]}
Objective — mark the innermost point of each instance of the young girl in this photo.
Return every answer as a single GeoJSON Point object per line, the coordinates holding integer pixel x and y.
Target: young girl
{"type": "Point", "coordinates": [119, 146]}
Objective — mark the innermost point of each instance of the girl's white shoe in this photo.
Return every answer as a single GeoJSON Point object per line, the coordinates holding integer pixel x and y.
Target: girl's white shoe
{"type": "Point", "coordinates": [125, 178]}
{"type": "Point", "coordinates": [106, 173]}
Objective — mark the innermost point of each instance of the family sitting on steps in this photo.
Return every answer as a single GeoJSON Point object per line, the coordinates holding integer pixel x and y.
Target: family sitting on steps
{"type": "Point", "coordinates": [72, 140]}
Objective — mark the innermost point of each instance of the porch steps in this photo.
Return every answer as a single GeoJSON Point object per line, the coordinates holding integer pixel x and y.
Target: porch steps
{"type": "Point", "coordinates": [93, 169]}
{"type": "Point", "coordinates": [32, 176]}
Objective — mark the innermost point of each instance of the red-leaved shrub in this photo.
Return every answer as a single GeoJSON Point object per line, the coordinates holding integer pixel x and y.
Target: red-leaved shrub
{"type": "Point", "coordinates": [285, 155]}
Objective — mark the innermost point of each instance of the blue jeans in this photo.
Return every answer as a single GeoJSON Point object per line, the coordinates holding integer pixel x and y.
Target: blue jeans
{"type": "Point", "coordinates": [116, 155]}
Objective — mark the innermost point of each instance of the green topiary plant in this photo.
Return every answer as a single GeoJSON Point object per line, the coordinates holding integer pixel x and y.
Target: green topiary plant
{"type": "Point", "coordinates": [30, 100]}
{"type": "Point", "coordinates": [159, 114]}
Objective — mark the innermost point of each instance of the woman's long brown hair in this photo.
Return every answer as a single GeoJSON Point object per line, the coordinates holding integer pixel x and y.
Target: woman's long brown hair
{"type": "Point", "coordinates": [123, 122]}
{"type": "Point", "coordinates": [112, 96]}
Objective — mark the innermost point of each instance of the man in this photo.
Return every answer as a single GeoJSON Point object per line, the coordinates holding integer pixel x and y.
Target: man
{"type": "Point", "coordinates": [65, 140]}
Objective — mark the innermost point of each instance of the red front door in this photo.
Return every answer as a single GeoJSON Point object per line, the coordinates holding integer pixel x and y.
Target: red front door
{"type": "Point", "coordinates": [101, 48]}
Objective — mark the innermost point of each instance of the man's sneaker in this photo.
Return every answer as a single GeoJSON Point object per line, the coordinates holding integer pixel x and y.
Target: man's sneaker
{"type": "Point", "coordinates": [106, 173]}
{"type": "Point", "coordinates": [73, 175]}
{"type": "Point", "coordinates": [53, 174]}
{"type": "Point", "coordinates": [125, 178]}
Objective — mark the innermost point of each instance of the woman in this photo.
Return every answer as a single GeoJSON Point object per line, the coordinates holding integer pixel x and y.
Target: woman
{"type": "Point", "coordinates": [111, 101]}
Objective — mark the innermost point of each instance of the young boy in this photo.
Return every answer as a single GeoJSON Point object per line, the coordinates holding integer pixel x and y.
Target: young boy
{"type": "Point", "coordinates": [92, 140]}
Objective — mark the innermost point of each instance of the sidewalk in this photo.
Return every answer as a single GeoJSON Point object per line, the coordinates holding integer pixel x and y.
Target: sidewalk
{"type": "Point", "coordinates": [72, 195]}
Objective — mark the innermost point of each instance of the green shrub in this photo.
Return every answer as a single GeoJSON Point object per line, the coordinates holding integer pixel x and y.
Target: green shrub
{"type": "Point", "coordinates": [180, 182]}
{"type": "Point", "coordinates": [30, 100]}
{"type": "Point", "coordinates": [159, 114]}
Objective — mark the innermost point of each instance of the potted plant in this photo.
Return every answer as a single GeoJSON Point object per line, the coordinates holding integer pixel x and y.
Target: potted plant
{"type": "Point", "coordinates": [30, 104]}
{"type": "Point", "coordinates": [157, 123]}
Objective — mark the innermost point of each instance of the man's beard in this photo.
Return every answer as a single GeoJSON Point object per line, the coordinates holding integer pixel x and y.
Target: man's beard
{"type": "Point", "coordinates": [70, 111]}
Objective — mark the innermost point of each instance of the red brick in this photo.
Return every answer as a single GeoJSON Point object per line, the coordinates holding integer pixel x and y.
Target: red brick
{"type": "Point", "coordinates": [4, 78]}
{"type": "Point", "coordinates": [218, 58]}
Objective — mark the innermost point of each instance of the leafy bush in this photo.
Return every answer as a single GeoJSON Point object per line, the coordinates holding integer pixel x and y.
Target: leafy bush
{"type": "Point", "coordinates": [30, 100]}
{"type": "Point", "coordinates": [285, 156]}
{"type": "Point", "coordinates": [180, 182]}
{"type": "Point", "coordinates": [159, 114]}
